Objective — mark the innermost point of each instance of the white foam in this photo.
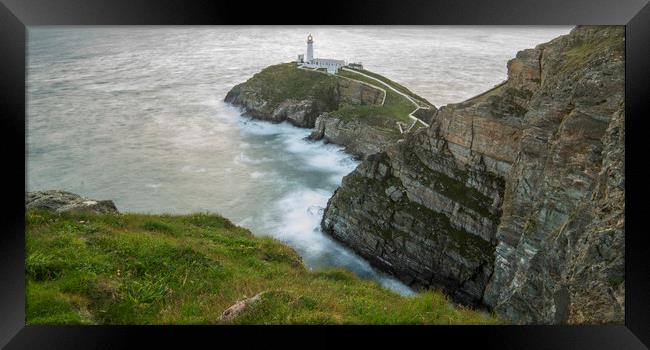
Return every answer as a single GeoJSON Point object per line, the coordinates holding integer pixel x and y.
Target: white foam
{"type": "Point", "coordinates": [317, 154]}
{"type": "Point", "coordinates": [257, 174]}
{"type": "Point", "coordinates": [296, 216]}
{"type": "Point", "coordinates": [243, 158]}
{"type": "Point", "coordinates": [301, 214]}
{"type": "Point", "coordinates": [258, 127]}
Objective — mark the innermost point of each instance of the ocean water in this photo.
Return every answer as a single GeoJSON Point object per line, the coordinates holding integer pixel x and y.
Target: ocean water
{"type": "Point", "coordinates": [136, 115]}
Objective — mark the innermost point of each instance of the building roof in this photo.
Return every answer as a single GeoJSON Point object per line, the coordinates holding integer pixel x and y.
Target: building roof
{"type": "Point", "coordinates": [328, 60]}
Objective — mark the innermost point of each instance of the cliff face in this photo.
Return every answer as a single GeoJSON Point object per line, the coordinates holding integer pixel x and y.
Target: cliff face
{"type": "Point", "coordinates": [412, 212]}
{"type": "Point", "coordinates": [358, 137]}
{"type": "Point", "coordinates": [560, 253]}
{"type": "Point", "coordinates": [514, 198]}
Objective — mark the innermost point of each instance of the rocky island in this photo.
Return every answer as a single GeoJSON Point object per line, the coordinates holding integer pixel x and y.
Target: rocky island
{"type": "Point", "coordinates": [357, 109]}
{"type": "Point", "coordinates": [511, 200]}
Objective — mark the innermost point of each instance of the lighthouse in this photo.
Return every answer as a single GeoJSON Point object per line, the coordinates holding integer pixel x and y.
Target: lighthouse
{"type": "Point", "coordinates": [332, 66]}
{"type": "Point", "coordinates": [310, 48]}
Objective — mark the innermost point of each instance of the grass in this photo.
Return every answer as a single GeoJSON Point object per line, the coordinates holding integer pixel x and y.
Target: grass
{"type": "Point", "coordinates": [395, 85]}
{"type": "Point", "coordinates": [395, 108]}
{"type": "Point", "coordinates": [610, 40]}
{"type": "Point", "coordinates": [164, 269]}
{"type": "Point", "coordinates": [285, 81]}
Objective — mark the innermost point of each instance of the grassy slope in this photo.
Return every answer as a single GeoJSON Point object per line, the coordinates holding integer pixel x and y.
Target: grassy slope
{"type": "Point", "coordinates": [284, 81]}
{"type": "Point", "coordinates": [147, 269]}
{"type": "Point", "coordinates": [395, 85]}
{"type": "Point", "coordinates": [395, 108]}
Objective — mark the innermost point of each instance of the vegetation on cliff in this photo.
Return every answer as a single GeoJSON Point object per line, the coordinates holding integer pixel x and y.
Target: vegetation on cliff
{"type": "Point", "coordinates": [86, 268]}
{"type": "Point", "coordinates": [285, 81]}
{"type": "Point", "coordinates": [395, 85]}
{"type": "Point", "coordinates": [395, 107]}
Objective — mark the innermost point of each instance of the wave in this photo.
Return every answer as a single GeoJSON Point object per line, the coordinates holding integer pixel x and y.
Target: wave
{"type": "Point", "coordinates": [299, 226]}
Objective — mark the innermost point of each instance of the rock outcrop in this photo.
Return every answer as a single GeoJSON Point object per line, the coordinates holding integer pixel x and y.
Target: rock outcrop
{"type": "Point", "coordinates": [61, 202]}
{"type": "Point", "coordinates": [513, 199]}
{"type": "Point", "coordinates": [405, 218]}
{"type": "Point", "coordinates": [359, 138]}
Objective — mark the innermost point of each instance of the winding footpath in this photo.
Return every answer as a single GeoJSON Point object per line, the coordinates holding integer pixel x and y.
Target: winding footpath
{"type": "Point", "coordinates": [411, 115]}
{"type": "Point", "coordinates": [412, 100]}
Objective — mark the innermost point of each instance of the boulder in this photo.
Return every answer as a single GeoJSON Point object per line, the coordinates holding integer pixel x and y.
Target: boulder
{"type": "Point", "coordinates": [237, 308]}
{"type": "Point", "coordinates": [62, 201]}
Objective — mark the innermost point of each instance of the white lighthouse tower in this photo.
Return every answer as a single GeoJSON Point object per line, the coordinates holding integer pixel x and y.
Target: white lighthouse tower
{"type": "Point", "coordinates": [332, 66]}
{"type": "Point", "coordinates": [310, 48]}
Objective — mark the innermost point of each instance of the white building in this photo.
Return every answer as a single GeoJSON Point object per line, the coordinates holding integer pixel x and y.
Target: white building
{"type": "Point", "coordinates": [331, 65]}
{"type": "Point", "coordinates": [355, 65]}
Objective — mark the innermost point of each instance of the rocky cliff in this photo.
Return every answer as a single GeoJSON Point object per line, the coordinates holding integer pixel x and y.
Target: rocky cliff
{"type": "Point", "coordinates": [359, 137]}
{"type": "Point", "coordinates": [513, 199]}
{"type": "Point", "coordinates": [344, 110]}
{"type": "Point", "coordinates": [560, 253]}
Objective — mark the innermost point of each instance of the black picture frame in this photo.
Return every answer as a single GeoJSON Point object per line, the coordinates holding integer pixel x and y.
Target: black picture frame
{"type": "Point", "coordinates": [15, 15]}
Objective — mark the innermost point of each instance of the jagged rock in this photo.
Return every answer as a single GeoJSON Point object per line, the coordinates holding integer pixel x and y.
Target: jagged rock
{"type": "Point", "coordinates": [61, 201]}
{"type": "Point", "coordinates": [358, 138]}
{"type": "Point", "coordinates": [514, 198]}
{"type": "Point", "coordinates": [595, 276]}
{"type": "Point", "coordinates": [423, 236]}
{"type": "Point", "coordinates": [236, 309]}
{"type": "Point", "coordinates": [394, 193]}
{"type": "Point", "coordinates": [354, 93]}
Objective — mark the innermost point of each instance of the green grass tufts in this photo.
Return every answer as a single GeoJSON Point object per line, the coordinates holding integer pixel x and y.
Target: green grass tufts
{"type": "Point", "coordinates": [187, 269]}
